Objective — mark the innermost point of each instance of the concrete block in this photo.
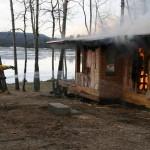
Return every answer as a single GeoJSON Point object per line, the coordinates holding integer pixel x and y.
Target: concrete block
{"type": "Point", "coordinates": [59, 109]}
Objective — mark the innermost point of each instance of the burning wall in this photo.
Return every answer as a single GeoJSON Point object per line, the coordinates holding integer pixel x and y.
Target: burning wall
{"type": "Point", "coordinates": [140, 72]}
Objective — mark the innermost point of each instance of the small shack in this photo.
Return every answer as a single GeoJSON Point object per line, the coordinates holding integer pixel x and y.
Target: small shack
{"type": "Point", "coordinates": [108, 68]}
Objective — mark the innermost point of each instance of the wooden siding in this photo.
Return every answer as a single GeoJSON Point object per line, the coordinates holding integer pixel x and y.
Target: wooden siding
{"type": "Point", "coordinates": [79, 79]}
{"type": "Point", "coordinates": [110, 86]}
{"type": "Point", "coordinates": [93, 75]}
{"type": "Point", "coordinates": [89, 77]}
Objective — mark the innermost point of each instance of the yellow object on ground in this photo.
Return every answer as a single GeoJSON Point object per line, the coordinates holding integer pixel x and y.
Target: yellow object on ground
{"type": "Point", "coordinates": [4, 67]}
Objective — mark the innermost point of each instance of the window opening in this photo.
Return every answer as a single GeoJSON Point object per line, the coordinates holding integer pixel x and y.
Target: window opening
{"type": "Point", "coordinates": [110, 62]}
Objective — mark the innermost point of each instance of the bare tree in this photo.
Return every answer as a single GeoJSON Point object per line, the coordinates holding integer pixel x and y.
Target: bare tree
{"type": "Point", "coordinates": [25, 41]}
{"type": "Point", "coordinates": [36, 34]}
{"type": "Point", "coordinates": [51, 8]}
{"type": "Point", "coordinates": [63, 33]}
{"type": "Point", "coordinates": [65, 9]}
{"type": "Point", "coordinates": [53, 35]}
{"type": "Point", "coordinates": [90, 30]}
{"type": "Point", "coordinates": [122, 12]}
{"type": "Point", "coordinates": [135, 8]}
{"type": "Point", "coordinates": [82, 5]}
{"type": "Point", "coordinates": [34, 9]}
{"type": "Point", "coordinates": [54, 15]}
{"type": "Point", "coordinates": [98, 4]}
{"type": "Point", "coordinates": [14, 46]}
{"type": "Point", "coordinates": [128, 8]}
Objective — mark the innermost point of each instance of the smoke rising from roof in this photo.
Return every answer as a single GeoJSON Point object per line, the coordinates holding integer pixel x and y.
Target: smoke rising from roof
{"type": "Point", "coordinates": [136, 27]}
{"type": "Point", "coordinates": [140, 26]}
{"type": "Point", "coordinates": [136, 19]}
{"type": "Point", "coordinates": [138, 23]}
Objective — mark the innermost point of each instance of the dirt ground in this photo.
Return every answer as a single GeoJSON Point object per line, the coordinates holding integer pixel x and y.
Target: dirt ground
{"type": "Point", "coordinates": [26, 123]}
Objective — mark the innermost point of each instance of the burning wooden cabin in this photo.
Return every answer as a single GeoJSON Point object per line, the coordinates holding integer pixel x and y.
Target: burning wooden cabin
{"type": "Point", "coordinates": [110, 68]}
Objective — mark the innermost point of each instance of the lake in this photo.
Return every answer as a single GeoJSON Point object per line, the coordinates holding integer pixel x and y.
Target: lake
{"type": "Point", "coordinates": [45, 67]}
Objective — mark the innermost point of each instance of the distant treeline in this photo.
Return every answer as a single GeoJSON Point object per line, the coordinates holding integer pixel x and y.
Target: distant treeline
{"type": "Point", "coordinates": [6, 40]}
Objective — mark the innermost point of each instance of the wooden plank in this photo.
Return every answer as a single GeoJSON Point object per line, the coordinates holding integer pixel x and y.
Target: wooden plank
{"type": "Point", "coordinates": [77, 58]}
{"type": "Point", "coordinates": [134, 98]}
{"type": "Point", "coordinates": [85, 92]}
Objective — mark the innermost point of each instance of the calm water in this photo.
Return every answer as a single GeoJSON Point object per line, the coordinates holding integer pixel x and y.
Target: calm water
{"type": "Point", "coordinates": [44, 63]}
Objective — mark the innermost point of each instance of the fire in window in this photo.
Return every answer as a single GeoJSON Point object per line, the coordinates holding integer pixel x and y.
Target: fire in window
{"type": "Point", "coordinates": [139, 73]}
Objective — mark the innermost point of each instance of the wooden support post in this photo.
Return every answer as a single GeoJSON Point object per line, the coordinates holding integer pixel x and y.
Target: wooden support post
{"type": "Point", "coordinates": [78, 52]}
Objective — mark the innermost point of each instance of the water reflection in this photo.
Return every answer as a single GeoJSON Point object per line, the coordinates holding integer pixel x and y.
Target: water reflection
{"type": "Point", "coordinates": [44, 63]}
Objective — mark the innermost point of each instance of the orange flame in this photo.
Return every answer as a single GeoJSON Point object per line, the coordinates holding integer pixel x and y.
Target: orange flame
{"type": "Point", "coordinates": [143, 76]}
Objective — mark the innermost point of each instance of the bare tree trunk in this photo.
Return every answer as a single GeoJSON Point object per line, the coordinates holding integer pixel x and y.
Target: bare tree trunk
{"type": "Point", "coordinates": [25, 63]}
{"type": "Point", "coordinates": [36, 71]}
{"type": "Point", "coordinates": [62, 53]}
{"type": "Point", "coordinates": [64, 33]}
{"type": "Point", "coordinates": [60, 66]}
{"type": "Point", "coordinates": [85, 19]}
{"type": "Point", "coordinates": [101, 21]}
{"type": "Point", "coordinates": [35, 29]}
{"type": "Point", "coordinates": [53, 17]}
{"type": "Point", "coordinates": [90, 16]}
{"type": "Point", "coordinates": [32, 18]}
{"type": "Point", "coordinates": [128, 8]}
{"type": "Point", "coordinates": [14, 46]}
{"type": "Point", "coordinates": [25, 40]}
{"type": "Point", "coordinates": [96, 14]}
{"type": "Point", "coordinates": [65, 64]}
{"type": "Point", "coordinates": [65, 4]}
{"type": "Point", "coordinates": [53, 33]}
{"type": "Point", "coordinates": [99, 3]}
{"type": "Point", "coordinates": [122, 12]}
{"type": "Point", "coordinates": [53, 75]}
{"type": "Point", "coordinates": [82, 5]}
{"type": "Point", "coordinates": [59, 18]}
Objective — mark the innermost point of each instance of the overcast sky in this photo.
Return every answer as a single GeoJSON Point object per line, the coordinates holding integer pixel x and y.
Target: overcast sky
{"type": "Point", "coordinates": [73, 26]}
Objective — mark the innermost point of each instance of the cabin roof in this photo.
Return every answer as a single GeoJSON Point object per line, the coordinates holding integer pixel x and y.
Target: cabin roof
{"type": "Point", "coordinates": [85, 41]}
{"type": "Point", "coordinates": [95, 40]}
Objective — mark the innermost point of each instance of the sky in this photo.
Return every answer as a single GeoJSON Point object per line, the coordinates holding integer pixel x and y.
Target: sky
{"type": "Point", "coordinates": [76, 25]}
